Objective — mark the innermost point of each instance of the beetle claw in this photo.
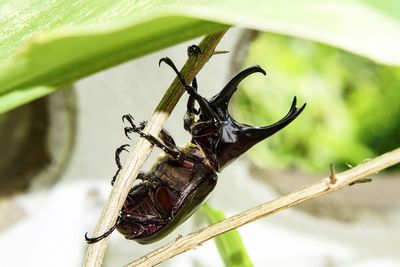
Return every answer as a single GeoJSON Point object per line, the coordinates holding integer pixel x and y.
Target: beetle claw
{"type": "Point", "coordinates": [165, 60]}
{"type": "Point", "coordinates": [127, 131]}
{"type": "Point", "coordinates": [129, 118]}
{"type": "Point", "coordinates": [193, 50]}
{"type": "Point", "coordinates": [169, 62]}
{"type": "Point", "coordinates": [142, 124]}
{"type": "Point", "coordinates": [92, 240]}
{"type": "Point", "coordinates": [124, 147]}
{"type": "Point", "coordinates": [117, 154]}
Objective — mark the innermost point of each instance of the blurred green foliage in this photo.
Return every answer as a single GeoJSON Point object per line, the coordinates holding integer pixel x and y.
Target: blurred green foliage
{"type": "Point", "coordinates": [353, 104]}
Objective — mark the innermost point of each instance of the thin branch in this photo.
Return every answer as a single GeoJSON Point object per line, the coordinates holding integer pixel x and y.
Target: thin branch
{"type": "Point", "coordinates": [138, 155]}
{"type": "Point", "coordinates": [324, 186]}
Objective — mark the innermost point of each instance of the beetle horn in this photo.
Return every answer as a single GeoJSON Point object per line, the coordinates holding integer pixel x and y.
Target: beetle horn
{"type": "Point", "coordinates": [256, 134]}
{"type": "Point", "coordinates": [221, 99]}
{"type": "Point", "coordinates": [237, 138]}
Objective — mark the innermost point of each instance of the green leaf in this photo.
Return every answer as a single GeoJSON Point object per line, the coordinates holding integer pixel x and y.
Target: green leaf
{"type": "Point", "coordinates": [46, 44]}
{"type": "Point", "coordinates": [230, 245]}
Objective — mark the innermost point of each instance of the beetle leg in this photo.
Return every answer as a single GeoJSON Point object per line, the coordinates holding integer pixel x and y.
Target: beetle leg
{"type": "Point", "coordinates": [92, 240]}
{"type": "Point", "coordinates": [118, 161]}
{"type": "Point", "coordinates": [118, 153]}
{"type": "Point", "coordinates": [191, 111]}
{"type": "Point", "coordinates": [204, 104]}
{"type": "Point", "coordinates": [142, 176]}
{"type": "Point", "coordinates": [164, 134]}
{"type": "Point", "coordinates": [191, 101]}
{"type": "Point", "coordinates": [193, 50]}
{"type": "Point", "coordinates": [171, 150]}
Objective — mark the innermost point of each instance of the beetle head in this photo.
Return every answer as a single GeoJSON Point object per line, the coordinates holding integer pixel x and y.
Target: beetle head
{"type": "Point", "coordinates": [221, 137]}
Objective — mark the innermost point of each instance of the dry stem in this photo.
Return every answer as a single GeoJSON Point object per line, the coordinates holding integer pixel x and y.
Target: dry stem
{"type": "Point", "coordinates": [324, 186]}
{"type": "Point", "coordinates": [138, 155]}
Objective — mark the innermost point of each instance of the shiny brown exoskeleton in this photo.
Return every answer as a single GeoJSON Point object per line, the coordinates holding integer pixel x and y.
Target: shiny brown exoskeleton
{"type": "Point", "coordinates": [181, 180]}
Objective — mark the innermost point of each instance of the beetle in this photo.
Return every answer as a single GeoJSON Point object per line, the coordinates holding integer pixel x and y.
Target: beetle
{"type": "Point", "coordinates": [180, 181]}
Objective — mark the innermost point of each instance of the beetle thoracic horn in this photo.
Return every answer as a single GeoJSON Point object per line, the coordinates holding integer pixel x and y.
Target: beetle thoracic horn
{"type": "Point", "coordinates": [241, 137]}
{"type": "Point", "coordinates": [255, 134]}
{"type": "Point", "coordinates": [221, 99]}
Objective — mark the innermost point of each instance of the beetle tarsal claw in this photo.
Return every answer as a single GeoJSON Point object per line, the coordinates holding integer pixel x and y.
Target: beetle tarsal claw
{"type": "Point", "coordinates": [91, 240]}
{"type": "Point", "coordinates": [124, 147]}
{"type": "Point", "coordinates": [193, 50]}
{"type": "Point", "coordinates": [128, 117]}
{"type": "Point", "coordinates": [169, 62]}
{"type": "Point", "coordinates": [127, 131]}
{"type": "Point", "coordinates": [161, 61]}
{"type": "Point", "coordinates": [166, 60]}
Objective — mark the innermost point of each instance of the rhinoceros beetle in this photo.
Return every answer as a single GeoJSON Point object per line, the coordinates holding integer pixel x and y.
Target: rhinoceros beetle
{"type": "Point", "coordinates": [180, 181]}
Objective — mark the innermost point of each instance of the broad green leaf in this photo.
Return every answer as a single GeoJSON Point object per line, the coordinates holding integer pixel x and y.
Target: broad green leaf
{"type": "Point", "coordinates": [45, 44]}
{"type": "Point", "coordinates": [230, 245]}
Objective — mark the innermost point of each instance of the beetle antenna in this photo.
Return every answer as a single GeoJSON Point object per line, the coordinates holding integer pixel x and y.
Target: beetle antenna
{"type": "Point", "coordinates": [92, 240]}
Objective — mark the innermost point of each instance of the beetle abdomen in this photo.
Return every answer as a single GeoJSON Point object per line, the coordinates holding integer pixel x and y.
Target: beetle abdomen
{"type": "Point", "coordinates": [156, 207]}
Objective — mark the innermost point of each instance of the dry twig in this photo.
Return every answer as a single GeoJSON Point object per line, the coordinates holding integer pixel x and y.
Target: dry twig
{"type": "Point", "coordinates": [138, 155]}
{"type": "Point", "coordinates": [324, 186]}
